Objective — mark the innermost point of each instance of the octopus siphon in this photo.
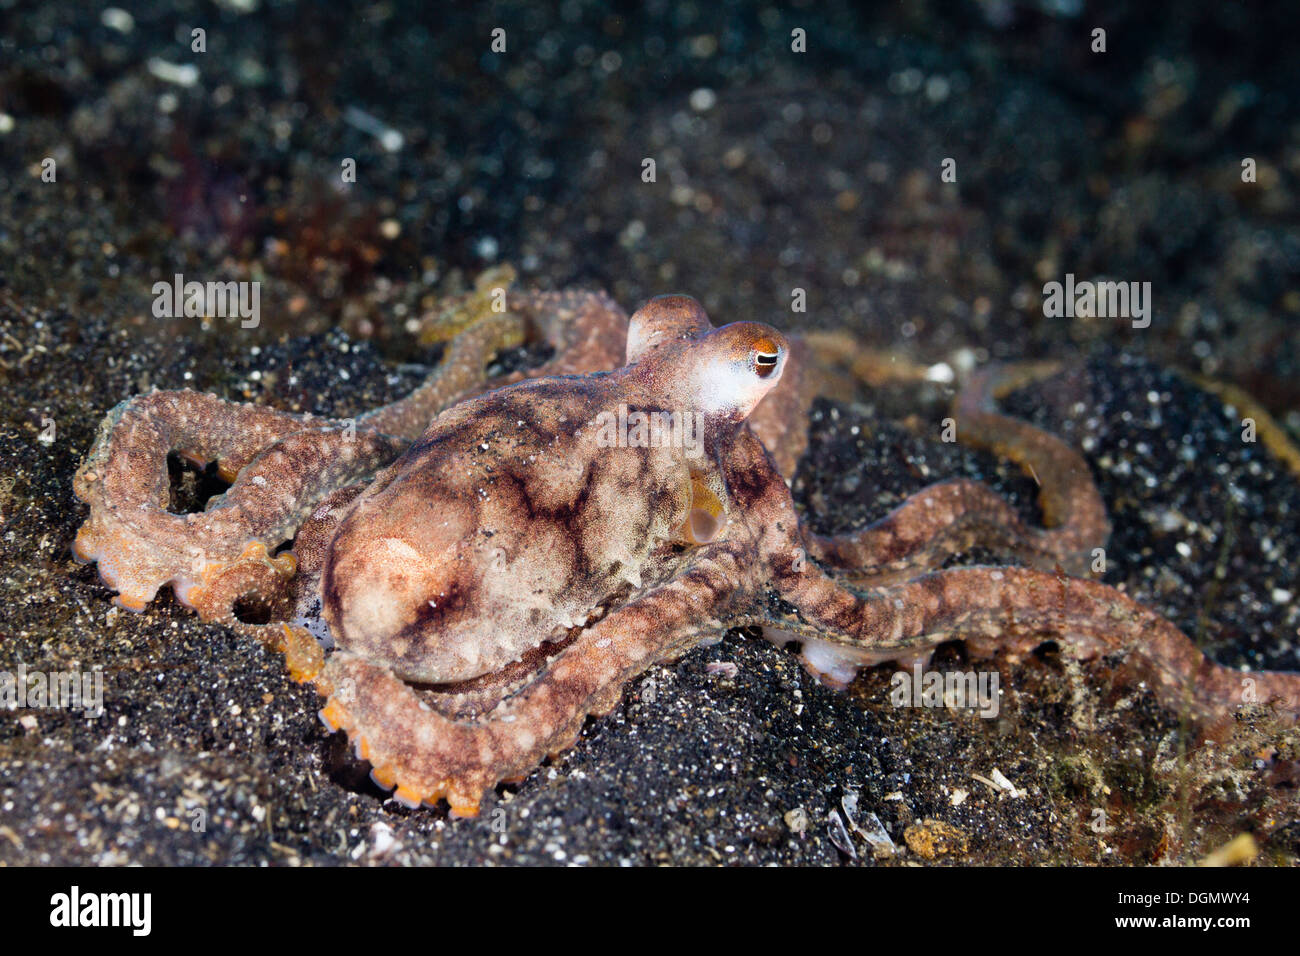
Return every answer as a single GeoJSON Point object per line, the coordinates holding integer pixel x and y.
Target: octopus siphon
{"type": "Point", "coordinates": [469, 573]}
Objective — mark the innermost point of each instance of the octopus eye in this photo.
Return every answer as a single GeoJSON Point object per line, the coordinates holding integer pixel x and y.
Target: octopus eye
{"type": "Point", "coordinates": [765, 358]}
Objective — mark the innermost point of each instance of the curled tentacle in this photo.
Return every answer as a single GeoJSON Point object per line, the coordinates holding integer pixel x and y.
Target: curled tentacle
{"type": "Point", "coordinates": [955, 515]}
{"type": "Point", "coordinates": [1016, 609]}
{"type": "Point", "coordinates": [280, 464]}
{"type": "Point", "coordinates": [930, 526]}
{"type": "Point", "coordinates": [1073, 509]}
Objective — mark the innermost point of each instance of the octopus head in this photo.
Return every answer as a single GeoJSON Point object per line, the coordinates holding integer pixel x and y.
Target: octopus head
{"type": "Point", "coordinates": [736, 366]}
{"type": "Point", "coordinates": [722, 373]}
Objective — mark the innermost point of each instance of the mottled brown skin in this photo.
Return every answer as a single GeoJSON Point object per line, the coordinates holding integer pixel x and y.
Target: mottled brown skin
{"type": "Point", "coordinates": [505, 577]}
{"type": "Point", "coordinates": [508, 523]}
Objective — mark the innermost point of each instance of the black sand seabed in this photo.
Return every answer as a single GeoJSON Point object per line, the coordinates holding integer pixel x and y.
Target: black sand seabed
{"type": "Point", "coordinates": [790, 173]}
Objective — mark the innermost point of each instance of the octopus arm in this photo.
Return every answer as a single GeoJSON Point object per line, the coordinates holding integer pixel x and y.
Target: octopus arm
{"type": "Point", "coordinates": [428, 755]}
{"type": "Point", "coordinates": [1017, 609]}
{"type": "Point", "coordinates": [952, 516]}
{"type": "Point", "coordinates": [274, 458]}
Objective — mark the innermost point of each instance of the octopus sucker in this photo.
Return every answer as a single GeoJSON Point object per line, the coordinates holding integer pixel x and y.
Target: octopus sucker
{"type": "Point", "coordinates": [477, 569]}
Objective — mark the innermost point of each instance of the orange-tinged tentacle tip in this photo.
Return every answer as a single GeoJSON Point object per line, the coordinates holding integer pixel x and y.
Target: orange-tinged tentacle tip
{"type": "Point", "coordinates": [197, 593]}
{"type": "Point", "coordinates": [133, 604]}
{"type": "Point", "coordinates": [407, 796]}
{"type": "Point", "coordinates": [82, 549]}
{"type": "Point", "coordinates": [334, 717]}
{"type": "Point", "coordinates": [463, 806]}
{"type": "Point", "coordinates": [383, 777]}
{"type": "Point", "coordinates": [303, 654]}
{"type": "Point", "coordinates": [285, 563]}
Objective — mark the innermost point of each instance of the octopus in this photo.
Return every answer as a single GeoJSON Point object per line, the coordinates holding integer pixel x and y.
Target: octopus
{"type": "Point", "coordinates": [470, 573]}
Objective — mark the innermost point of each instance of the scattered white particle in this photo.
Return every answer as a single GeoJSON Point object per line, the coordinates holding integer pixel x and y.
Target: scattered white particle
{"type": "Point", "coordinates": [703, 99]}
{"type": "Point", "coordinates": [1000, 779]}
{"type": "Point", "coordinates": [937, 89]}
{"type": "Point", "coordinates": [180, 74]}
{"type": "Point", "coordinates": [1184, 549]}
{"type": "Point", "coordinates": [389, 138]}
{"type": "Point", "coordinates": [383, 837]}
{"type": "Point", "coordinates": [940, 372]}
{"type": "Point", "coordinates": [115, 18]}
{"type": "Point", "coordinates": [1281, 596]}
